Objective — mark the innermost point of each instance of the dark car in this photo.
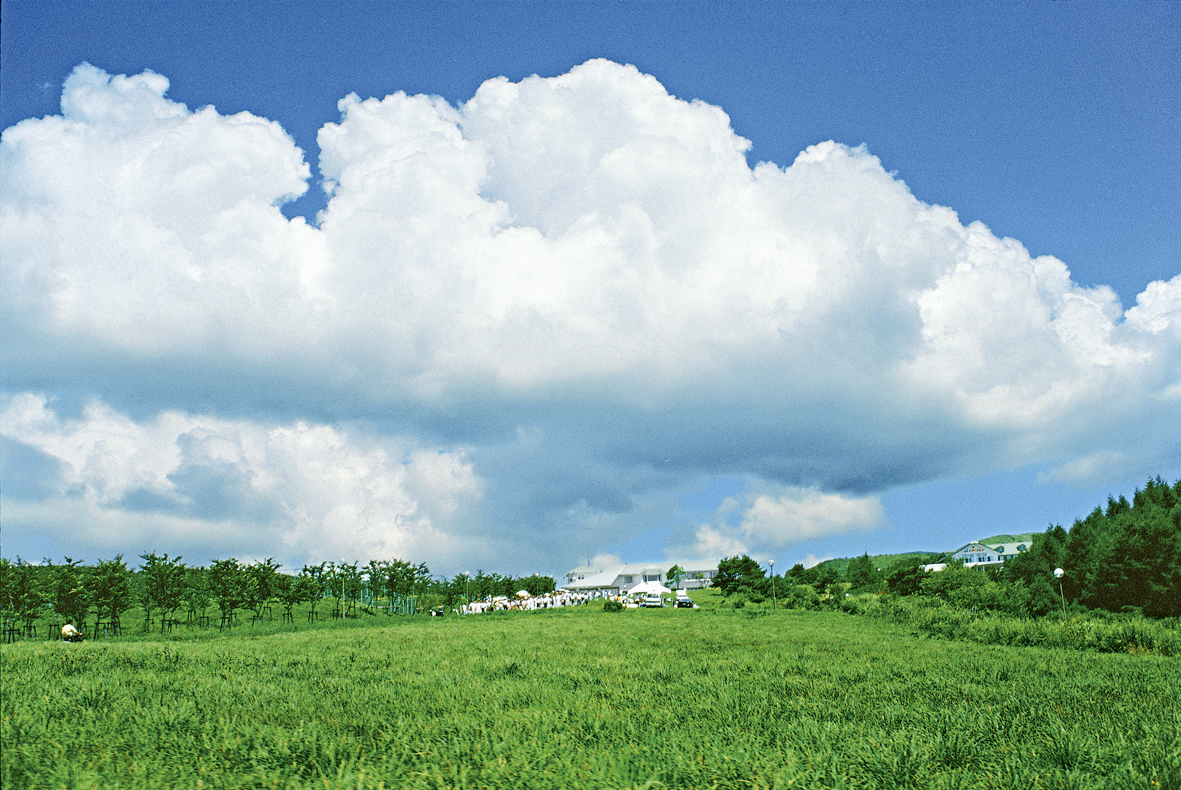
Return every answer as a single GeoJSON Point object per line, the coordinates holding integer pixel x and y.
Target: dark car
{"type": "Point", "coordinates": [683, 603]}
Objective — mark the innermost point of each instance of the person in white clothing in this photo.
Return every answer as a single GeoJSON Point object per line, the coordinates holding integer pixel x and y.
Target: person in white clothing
{"type": "Point", "coordinates": [70, 633]}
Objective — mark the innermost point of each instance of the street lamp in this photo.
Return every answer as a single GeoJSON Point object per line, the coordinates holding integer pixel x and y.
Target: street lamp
{"type": "Point", "coordinates": [1058, 572]}
{"type": "Point", "coordinates": [774, 604]}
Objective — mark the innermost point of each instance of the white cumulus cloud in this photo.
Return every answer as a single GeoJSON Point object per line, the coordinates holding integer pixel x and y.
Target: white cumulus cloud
{"type": "Point", "coordinates": [219, 487]}
{"type": "Point", "coordinates": [761, 523]}
{"type": "Point", "coordinates": [568, 295]}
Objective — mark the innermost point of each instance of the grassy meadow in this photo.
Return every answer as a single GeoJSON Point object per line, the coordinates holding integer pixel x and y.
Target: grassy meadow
{"type": "Point", "coordinates": [585, 698]}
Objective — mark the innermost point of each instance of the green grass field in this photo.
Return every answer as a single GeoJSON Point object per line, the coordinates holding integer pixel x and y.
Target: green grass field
{"type": "Point", "coordinates": [585, 698]}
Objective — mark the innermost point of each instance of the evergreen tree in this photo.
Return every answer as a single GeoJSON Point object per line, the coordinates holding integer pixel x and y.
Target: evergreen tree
{"type": "Point", "coordinates": [906, 577]}
{"type": "Point", "coordinates": [798, 574]}
{"type": "Point", "coordinates": [1080, 559]}
{"type": "Point", "coordinates": [1140, 567]}
{"type": "Point", "coordinates": [824, 577]}
{"type": "Point", "coordinates": [737, 572]}
{"type": "Point", "coordinates": [862, 575]}
{"type": "Point", "coordinates": [1034, 569]}
{"type": "Point", "coordinates": [1115, 507]}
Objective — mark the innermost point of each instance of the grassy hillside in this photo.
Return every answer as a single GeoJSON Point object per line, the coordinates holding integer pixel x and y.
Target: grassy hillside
{"type": "Point", "coordinates": [1023, 538]}
{"type": "Point", "coordinates": [885, 561]}
{"type": "Point", "coordinates": [580, 699]}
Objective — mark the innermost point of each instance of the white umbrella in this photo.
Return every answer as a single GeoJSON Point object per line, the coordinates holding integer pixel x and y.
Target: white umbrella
{"type": "Point", "coordinates": [522, 593]}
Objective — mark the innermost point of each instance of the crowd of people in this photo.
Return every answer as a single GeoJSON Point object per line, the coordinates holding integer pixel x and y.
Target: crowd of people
{"type": "Point", "coordinates": [523, 601]}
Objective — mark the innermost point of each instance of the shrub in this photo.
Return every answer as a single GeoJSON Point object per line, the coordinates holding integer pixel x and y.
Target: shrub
{"type": "Point", "coordinates": [802, 596]}
{"type": "Point", "coordinates": [852, 606]}
{"type": "Point", "coordinates": [611, 605]}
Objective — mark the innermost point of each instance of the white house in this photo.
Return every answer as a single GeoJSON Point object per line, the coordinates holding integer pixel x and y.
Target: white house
{"type": "Point", "coordinates": [986, 555]}
{"type": "Point", "coordinates": [622, 578]}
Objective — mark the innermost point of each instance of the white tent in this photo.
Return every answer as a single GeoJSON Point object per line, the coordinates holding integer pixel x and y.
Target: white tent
{"type": "Point", "coordinates": [647, 587]}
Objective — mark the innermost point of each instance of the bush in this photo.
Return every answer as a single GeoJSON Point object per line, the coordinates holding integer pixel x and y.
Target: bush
{"type": "Point", "coordinates": [802, 596]}
{"type": "Point", "coordinates": [852, 606]}
{"type": "Point", "coordinates": [611, 605]}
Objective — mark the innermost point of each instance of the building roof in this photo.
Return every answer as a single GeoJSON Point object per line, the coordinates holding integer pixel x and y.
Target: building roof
{"type": "Point", "coordinates": [1013, 547]}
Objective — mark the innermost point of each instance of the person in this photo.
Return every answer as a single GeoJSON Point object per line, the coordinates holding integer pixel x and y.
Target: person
{"type": "Point", "coordinates": [70, 633]}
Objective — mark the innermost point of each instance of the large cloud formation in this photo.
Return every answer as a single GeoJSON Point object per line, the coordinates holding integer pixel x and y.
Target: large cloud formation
{"type": "Point", "coordinates": [520, 327]}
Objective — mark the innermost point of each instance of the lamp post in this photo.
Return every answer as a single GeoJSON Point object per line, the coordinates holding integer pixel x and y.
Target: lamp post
{"type": "Point", "coordinates": [774, 603]}
{"type": "Point", "coordinates": [1058, 572]}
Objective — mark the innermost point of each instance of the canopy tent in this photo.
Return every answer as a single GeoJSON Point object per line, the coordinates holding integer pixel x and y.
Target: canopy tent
{"type": "Point", "coordinates": [647, 587]}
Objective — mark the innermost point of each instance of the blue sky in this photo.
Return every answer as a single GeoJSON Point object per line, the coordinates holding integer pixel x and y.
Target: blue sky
{"type": "Point", "coordinates": [495, 352]}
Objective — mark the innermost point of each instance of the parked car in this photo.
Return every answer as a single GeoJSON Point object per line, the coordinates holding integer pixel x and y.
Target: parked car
{"type": "Point", "coordinates": [653, 600]}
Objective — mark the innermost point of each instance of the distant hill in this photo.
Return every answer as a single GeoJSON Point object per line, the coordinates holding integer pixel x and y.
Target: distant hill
{"type": "Point", "coordinates": [886, 561]}
{"type": "Point", "coordinates": [1025, 538]}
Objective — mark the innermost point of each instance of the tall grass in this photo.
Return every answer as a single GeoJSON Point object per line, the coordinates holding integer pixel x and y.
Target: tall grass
{"type": "Point", "coordinates": [585, 698]}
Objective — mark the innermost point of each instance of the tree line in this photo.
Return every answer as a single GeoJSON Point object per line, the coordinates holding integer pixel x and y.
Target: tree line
{"type": "Point", "coordinates": [166, 588]}
{"type": "Point", "coordinates": [1122, 559]}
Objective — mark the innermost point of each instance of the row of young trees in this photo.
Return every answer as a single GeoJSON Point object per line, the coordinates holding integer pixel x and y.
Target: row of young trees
{"type": "Point", "coordinates": [72, 589]}
{"type": "Point", "coordinates": [1126, 558]}
{"type": "Point", "coordinates": [165, 586]}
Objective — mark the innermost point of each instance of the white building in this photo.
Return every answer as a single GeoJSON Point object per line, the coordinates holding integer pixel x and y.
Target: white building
{"type": "Point", "coordinates": [622, 578]}
{"type": "Point", "coordinates": [986, 555]}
